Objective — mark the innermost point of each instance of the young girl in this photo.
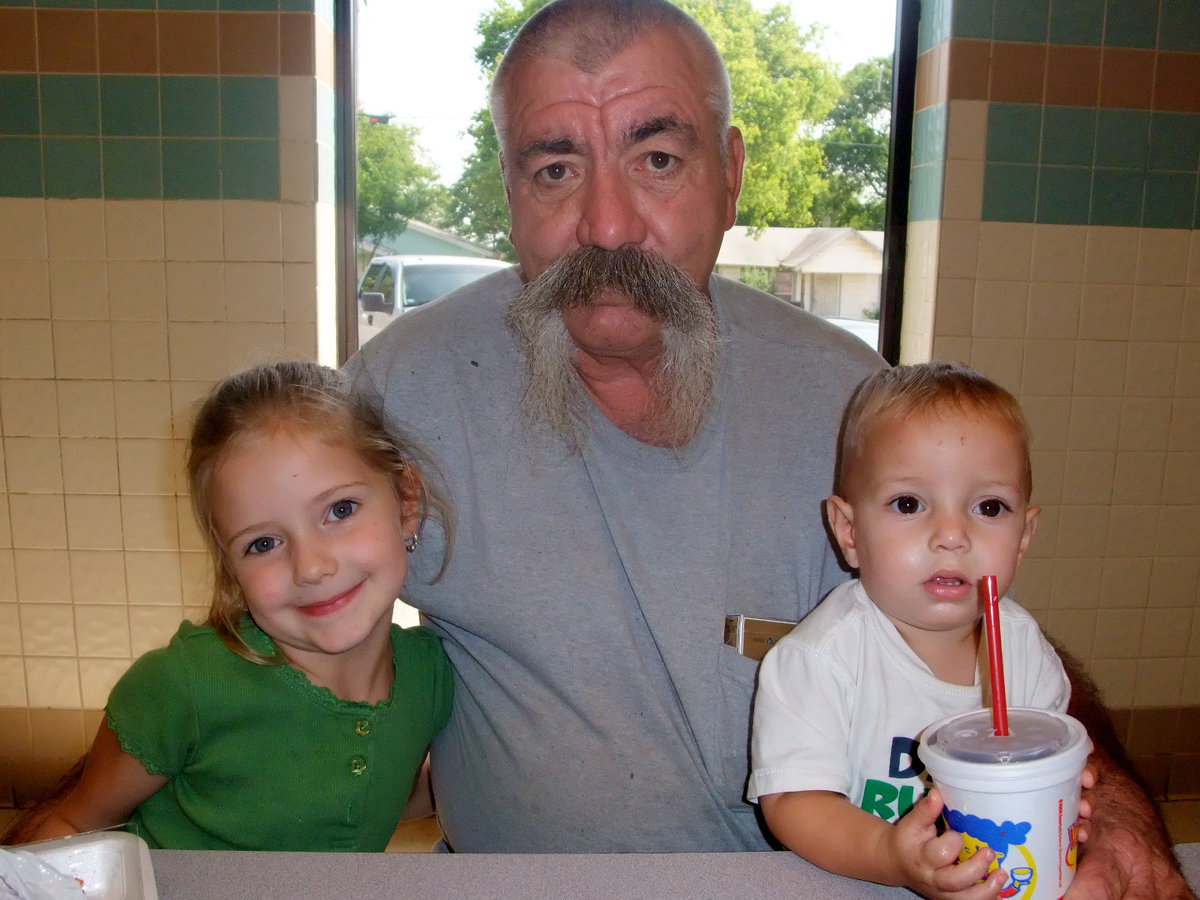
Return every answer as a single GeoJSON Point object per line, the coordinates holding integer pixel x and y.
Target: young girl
{"type": "Point", "coordinates": [298, 717]}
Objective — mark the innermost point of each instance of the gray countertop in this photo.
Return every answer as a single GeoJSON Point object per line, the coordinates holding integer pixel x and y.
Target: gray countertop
{"type": "Point", "coordinates": [195, 875]}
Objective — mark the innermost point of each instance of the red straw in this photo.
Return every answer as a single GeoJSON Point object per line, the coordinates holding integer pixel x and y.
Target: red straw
{"type": "Point", "coordinates": [991, 610]}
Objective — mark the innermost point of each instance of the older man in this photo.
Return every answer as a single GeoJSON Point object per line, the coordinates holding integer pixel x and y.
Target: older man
{"type": "Point", "coordinates": [636, 450]}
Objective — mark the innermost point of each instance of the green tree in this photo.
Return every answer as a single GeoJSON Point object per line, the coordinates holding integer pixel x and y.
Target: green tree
{"type": "Point", "coordinates": [856, 149]}
{"type": "Point", "coordinates": [395, 184]}
{"type": "Point", "coordinates": [781, 89]}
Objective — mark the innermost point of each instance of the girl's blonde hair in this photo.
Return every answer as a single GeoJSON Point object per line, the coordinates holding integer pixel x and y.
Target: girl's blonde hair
{"type": "Point", "coordinates": [904, 391]}
{"type": "Point", "coordinates": [307, 397]}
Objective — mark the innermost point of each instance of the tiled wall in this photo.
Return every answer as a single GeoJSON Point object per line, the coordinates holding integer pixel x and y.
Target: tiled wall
{"type": "Point", "coordinates": [1054, 245]}
{"type": "Point", "coordinates": [165, 218]}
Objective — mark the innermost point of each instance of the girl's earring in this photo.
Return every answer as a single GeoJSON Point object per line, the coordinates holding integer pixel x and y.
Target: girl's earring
{"type": "Point", "coordinates": [411, 544]}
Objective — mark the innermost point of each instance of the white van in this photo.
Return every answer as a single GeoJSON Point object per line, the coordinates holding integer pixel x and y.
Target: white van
{"type": "Point", "coordinates": [393, 284]}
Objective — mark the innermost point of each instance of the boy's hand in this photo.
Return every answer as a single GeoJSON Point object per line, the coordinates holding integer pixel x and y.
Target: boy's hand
{"type": "Point", "coordinates": [929, 862]}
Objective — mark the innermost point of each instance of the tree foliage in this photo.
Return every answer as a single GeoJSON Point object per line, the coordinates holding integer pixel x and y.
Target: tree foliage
{"type": "Point", "coordinates": [395, 184]}
{"type": "Point", "coordinates": [856, 149]}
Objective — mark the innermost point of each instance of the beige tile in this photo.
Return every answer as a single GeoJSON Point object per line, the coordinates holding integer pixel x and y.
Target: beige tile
{"type": "Point", "coordinates": [1106, 312]}
{"type": "Point", "coordinates": [10, 630]}
{"type": "Point", "coordinates": [1082, 530]}
{"type": "Point", "coordinates": [52, 682]}
{"type": "Point", "coordinates": [999, 359]}
{"type": "Point", "coordinates": [1059, 252]}
{"type": "Point", "coordinates": [299, 292]}
{"type": "Point", "coordinates": [16, 737]}
{"type": "Point", "coordinates": [22, 228]}
{"type": "Point", "coordinates": [83, 350]}
{"type": "Point", "coordinates": [196, 291]}
{"type": "Point", "coordinates": [1163, 256]}
{"type": "Point", "coordinates": [955, 349]}
{"type": "Point", "coordinates": [75, 229]}
{"type": "Point", "coordinates": [1188, 382]}
{"type": "Point", "coordinates": [1111, 255]}
{"type": "Point", "coordinates": [28, 408]}
{"type": "Point", "coordinates": [94, 521]}
{"type": "Point", "coordinates": [41, 575]}
{"type": "Point", "coordinates": [89, 466]}
{"type": "Point", "coordinates": [186, 397]}
{"type": "Point", "coordinates": [192, 229]}
{"type": "Point", "coordinates": [1005, 250]}
{"type": "Point", "coordinates": [252, 230]}
{"type": "Point", "coordinates": [86, 409]}
{"type": "Point", "coordinates": [955, 307]}
{"type": "Point", "coordinates": [149, 522]}
{"type": "Point", "coordinates": [1131, 533]}
{"type": "Point", "coordinates": [1166, 632]}
{"type": "Point", "coordinates": [38, 521]}
{"type": "Point", "coordinates": [97, 576]}
{"type": "Point", "coordinates": [957, 253]}
{"type": "Point", "coordinates": [102, 630]}
{"type": "Point", "coordinates": [999, 309]}
{"type": "Point", "coordinates": [47, 629]}
{"type": "Point", "coordinates": [147, 465]}
{"type": "Point", "coordinates": [297, 174]}
{"type": "Point", "coordinates": [1095, 423]}
{"type": "Point", "coordinates": [139, 351]}
{"type": "Point", "coordinates": [153, 578]}
{"type": "Point", "coordinates": [134, 229]}
{"type": "Point", "coordinates": [1099, 369]}
{"type": "Point", "coordinates": [1119, 632]}
{"type": "Point", "coordinates": [97, 678]}
{"type": "Point", "coordinates": [143, 408]}
{"type": "Point", "coordinates": [1177, 530]}
{"type": "Point", "coordinates": [1049, 472]}
{"type": "Point", "coordinates": [1047, 535]}
{"type": "Point", "coordinates": [5, 528]}
{"type": "Point", "coordinates": [57, 732]}
{"type": "Point", "coordinates": [1124, 581]}
{"type": "Point", "coordinates": [1145, 423]}
{"type": "Point", "coordinates": [1194, 258]}
{"type": "Point", "coordinates": [196, 574]}
{"type": "Point", "coordinates": [8, 570]}
{"type": "Point", "coordinates": [152, 626]}
{"type": "Point", "coordinates": [1181, 481]}
{"type": "Point", "coordinates": [12, 682]}
{"type": "Point", "coordinates": [1184, 433]}
{"type": "Point", "coordinates": [1151, 369]}
{"type": "Point", "coordinates": [302, 340]}
{"type": "Point", "coordinates": [1048, 367]}
{"type": "Point", "coordinates": [1174, 582]}
{"type": "Point", "coordinates": [26, 293]}
{"type": "Point", "coordinates": [1157, 313]}
{"type": "Point", "coordinates": [1114, 678]}
{"type": "Point", "coordinates": [1088, 477]}
{"type": "Point", "coordinates": [190, 538]}
{"type": "Point", "coordinates": [1032, 587]}
{"type": "Point", "coordinates": [197, 351]}
{"type": "Point", "coordinates": [1075, 629]}
{"type": "Point", "coordinates": [1054, 310]}
{"type": "Point", "coordinates": [137, 290]}
{"type": "Point", "coordinates": [254, 292]}
{"type": "Point", "coordinates": [26, 349]}
{"type": "Point", "coordinates": [33, 464]}
{"type": "Point", "coordinates": [1049, 419]}
{"type": "Point", "coordinates": [78, 290]}
{"type": "Point", "coordinates": [251, 343]}
{"type": "Point", "coordinates": [966, 130]}
{"type": "Point", "coordinates": [1076, 583]}
{"type": "Point", "coordinates": [297, 109]}
{"type": "Point", "coordinates": [962, 196]}
{"type": "Point", "coordinates": [1136, 474]}
{"type": "Point", "coordinates": [1159, 682]}
{"type": "Point", "coordinates": [1191, 312]}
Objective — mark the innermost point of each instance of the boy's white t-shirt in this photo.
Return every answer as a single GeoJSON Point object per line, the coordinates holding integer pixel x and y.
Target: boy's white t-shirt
{"type": "Point", "coordinates": [842, 701]}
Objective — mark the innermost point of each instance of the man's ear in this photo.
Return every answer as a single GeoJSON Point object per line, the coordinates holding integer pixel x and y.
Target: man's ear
{"type": "Point", "coordinates": [840, 515]}
{"type": "Point", "coordinates": [734, 166]}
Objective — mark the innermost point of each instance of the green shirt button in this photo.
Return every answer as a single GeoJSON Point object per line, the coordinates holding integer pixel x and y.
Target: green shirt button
{"type": "Point", "coordinates": [358, 766]}
{"type": "Point", "coordinates": [362, 726]}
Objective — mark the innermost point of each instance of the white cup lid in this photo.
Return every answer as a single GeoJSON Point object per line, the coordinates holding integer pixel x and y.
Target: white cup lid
{"type": "Point", "coordinates": [1032, 735]}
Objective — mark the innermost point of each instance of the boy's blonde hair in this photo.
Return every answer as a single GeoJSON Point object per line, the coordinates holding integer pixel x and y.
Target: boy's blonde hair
{"type": "Point", "coordinates": [300, 397]}
{"type": "Point", "coordinates": [905, 391]}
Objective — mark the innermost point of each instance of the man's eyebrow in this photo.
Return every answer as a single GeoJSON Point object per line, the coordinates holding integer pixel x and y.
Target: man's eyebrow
{"type": "Point", "coordinates": [660, 125]}
{"type": "Point", "coordinates": [563, 146]}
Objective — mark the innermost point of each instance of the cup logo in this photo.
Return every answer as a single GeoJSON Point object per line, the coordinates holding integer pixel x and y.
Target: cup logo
{"type": "Point", "coordinates": [1007, 839]}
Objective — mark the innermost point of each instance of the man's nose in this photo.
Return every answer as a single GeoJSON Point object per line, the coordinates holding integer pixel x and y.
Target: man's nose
{"type": "Point", "coordinates": [311, 561]}
{"type": "Point", "coordinates": [610, 217]}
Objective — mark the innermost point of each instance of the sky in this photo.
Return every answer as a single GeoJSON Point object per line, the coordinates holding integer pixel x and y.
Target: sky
{"type": "Point", "coordinates": [416, 60]}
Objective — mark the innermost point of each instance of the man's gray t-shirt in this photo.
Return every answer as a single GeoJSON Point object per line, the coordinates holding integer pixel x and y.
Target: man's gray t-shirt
{"type": "Point", "coordinates": [583, 608]}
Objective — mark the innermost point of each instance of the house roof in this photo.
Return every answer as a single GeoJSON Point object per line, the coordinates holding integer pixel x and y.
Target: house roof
{"type": "Point", "coordinates": [454, 244]}
{"type": "Point", "coordinates": [788, 248]}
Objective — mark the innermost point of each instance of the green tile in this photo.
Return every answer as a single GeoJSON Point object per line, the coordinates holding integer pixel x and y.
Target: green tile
{"type": "Point", "coordinates": [72, 167]}
{"type": "Point", "coordinates": [20, 167]}
{"type": "Point", "coordinates": [1131, 23]}
{"type": "Point", "coordinates": [1174, 142]}
{"type": "Point", "coordinates": [250, 170]}
{"type": "Point", "coordinates": [934, 25]}
{"type": "Point", "coordinates": [296, 6]}
{"type": "Point", "coordinates": [1014, 132]}
{"type": "Point", "coordinates": [1064, 195]}
{"type": "Point", "coordinates": [129, 105]}
{"type": "Point", "coordinates": [1170, 200]}
{"type": "Point", "coordinates": [191, 106]}
{"type": "Point", "coordinates": [1068, 136]}
{"type": "Point", "coordinates": [1179, 26]}
{"type": "Point", "coordinates": [1122, 138]}
{"type": "Point", "coordinates": [67, 4]}
{"type": "Point", "coordinates": [127, 4]}
{"type": "Point", "coordinates": [71, 104]}
{"type": "Point", "coordinates": [25, 3]}
{"type": "Point", "coordinates": [187, 5]}
{"type": "Point", "coordinates": [1117, 197]}
{"type": "Point", "coordinates": [249, 107]}
{"type": "Point", "coordinates": [19, 105]}
{"type": "Point", "coordinates": [1077, 22]}
{"type": "Point", "coordinates": [973, 19]}
{"type": "Point", "coordinates": [191, 169]}
{"type": "Point", "coordinates": [925, 193]}
{"type": "Point", "coordinates": [1009, 193]}
{"type": "Point", "coordinates": [249, 5]}
{"type": "Point", "coordinates": [1022, 20]}
{"type": "Point", "coordinates": [132, 168]}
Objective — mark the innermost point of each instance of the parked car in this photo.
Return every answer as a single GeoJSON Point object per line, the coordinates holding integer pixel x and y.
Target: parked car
{"type": "Point", "coordinates": [392, 284]}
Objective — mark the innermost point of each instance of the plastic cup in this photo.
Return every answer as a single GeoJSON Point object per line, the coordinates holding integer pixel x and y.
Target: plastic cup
{"type": "Point", "coordinates": [1018, 794]}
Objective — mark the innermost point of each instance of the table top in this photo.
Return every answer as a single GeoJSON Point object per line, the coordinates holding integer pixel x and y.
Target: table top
{"type": "Point", "coordinates": [200, 875]}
